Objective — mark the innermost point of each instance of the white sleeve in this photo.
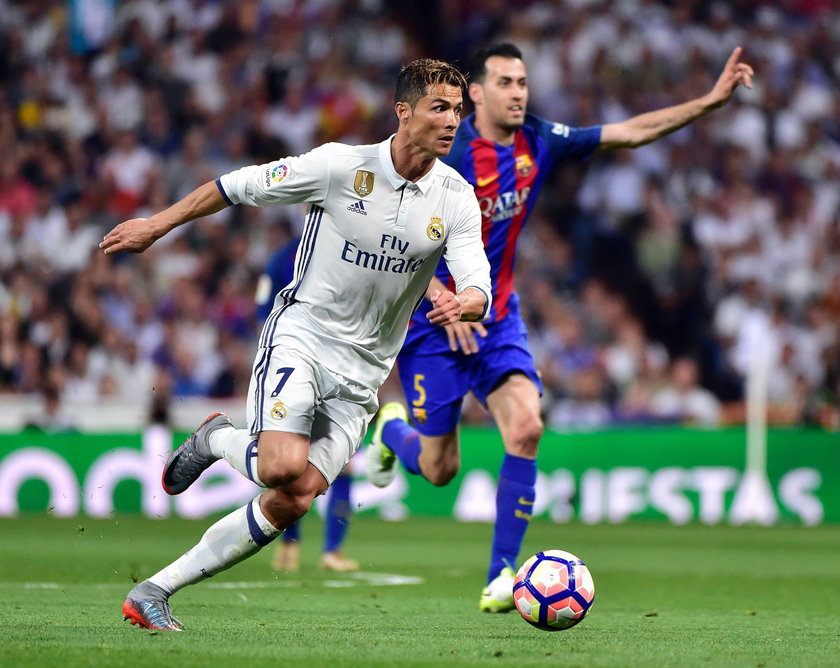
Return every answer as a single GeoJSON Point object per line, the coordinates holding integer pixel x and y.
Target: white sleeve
{"type": "Point", "coordinates": [464, 254]}
{"type": "Point", "coordinates": [304, 178]}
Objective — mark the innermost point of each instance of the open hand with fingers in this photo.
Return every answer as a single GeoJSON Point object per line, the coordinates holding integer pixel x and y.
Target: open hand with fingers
{"type": "Point", "coordinates": [134, 236]}
{"type": "Point", "coordinates": [464, 335]}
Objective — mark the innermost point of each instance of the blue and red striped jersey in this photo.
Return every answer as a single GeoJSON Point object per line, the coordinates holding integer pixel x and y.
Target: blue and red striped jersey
{"type": "Point", "coordinates": [507, 181]}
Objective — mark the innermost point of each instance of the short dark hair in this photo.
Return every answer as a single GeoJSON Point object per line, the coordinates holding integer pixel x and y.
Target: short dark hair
{"type": "Point", "coordinates": [478, 62]}
{"type": "Point", "coordinates": [418, 77]}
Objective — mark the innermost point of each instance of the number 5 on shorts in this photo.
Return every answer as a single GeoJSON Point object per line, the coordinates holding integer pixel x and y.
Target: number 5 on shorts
{"type": "Point", "coordinates": [421, 391]}
{"type": "Point", "coordinates": [418, 405]}
{"type": "Point", "coordinates": [286, 371]}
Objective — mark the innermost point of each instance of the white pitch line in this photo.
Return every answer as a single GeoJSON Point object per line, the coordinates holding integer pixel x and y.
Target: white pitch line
{"type": "Point", "coordinates": [253, 585]}
{"type": "Point", "coordinates": [358, 579]}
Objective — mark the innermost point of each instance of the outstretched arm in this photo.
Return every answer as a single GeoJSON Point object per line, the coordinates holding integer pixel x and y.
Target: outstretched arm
{"type": "Point", "coordinates": [137, 234]}
{"type": "Point", "coordinates": [649, 127]}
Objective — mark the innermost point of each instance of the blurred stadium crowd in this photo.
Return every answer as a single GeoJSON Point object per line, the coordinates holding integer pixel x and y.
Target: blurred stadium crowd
{"type": "Point", "coordinates": [649, 277]}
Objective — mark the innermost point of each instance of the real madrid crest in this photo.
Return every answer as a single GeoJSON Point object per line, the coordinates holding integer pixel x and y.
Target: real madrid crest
{"type": "Point", "coordinates": [278, 410]}
{"type": "Point", "coordinates": [435, 229]}
{"type": "Point", "coordinates": [363, 185]}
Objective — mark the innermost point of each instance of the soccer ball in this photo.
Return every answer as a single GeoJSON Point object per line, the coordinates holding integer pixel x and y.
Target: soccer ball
{"type": "Point", "coordinates": [553, 590]}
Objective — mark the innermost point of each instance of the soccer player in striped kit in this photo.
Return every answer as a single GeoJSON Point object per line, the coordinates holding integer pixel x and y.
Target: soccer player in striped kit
{"type": "Point", "coordinates": [380, 219]}
{"type": "Point", "coordinates": [505, 153]}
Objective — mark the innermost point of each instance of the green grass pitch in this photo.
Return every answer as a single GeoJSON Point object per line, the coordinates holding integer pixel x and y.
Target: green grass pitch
{"type": "Point", "coordinates": [666, 596]}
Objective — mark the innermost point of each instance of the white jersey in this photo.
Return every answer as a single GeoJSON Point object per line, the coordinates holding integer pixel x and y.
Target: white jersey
{"type": "Point", "coordinates": [370, 245]}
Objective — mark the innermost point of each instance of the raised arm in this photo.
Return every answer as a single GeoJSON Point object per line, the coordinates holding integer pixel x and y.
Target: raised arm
{"type": "Point", "coordinates": [137, 234]}
{"type": "Point", "coordinates": [645, 128]}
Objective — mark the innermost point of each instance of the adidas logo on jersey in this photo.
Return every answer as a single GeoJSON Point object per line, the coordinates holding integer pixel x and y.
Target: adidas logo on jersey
{"type": "Point", "coordinates": [358, 207]}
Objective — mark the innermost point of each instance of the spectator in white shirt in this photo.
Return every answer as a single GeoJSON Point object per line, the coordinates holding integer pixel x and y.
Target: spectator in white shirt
{"type": "Point", "coordinates": [684, 399]}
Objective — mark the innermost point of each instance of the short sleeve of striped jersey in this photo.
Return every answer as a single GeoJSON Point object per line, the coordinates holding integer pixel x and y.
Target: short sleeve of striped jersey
{"type": "Point", "coordinates": [303, 178]}
{"type": "Point", "coordinates": [565, 141]}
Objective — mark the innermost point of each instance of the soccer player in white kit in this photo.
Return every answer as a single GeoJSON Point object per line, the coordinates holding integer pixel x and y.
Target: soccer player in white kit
{"type": "Point", "coordinates": [380, 218]}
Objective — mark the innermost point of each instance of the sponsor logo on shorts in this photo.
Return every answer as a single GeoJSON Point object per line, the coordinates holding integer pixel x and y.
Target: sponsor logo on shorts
{"type": "Point", "coordinates": [278, 410]}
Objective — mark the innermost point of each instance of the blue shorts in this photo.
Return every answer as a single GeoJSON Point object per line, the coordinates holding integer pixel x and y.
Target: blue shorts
{"type": "Point", "coordinates": [435, 383]}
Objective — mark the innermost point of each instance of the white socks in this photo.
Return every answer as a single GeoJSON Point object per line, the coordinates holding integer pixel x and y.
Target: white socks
{"type": "Point", "coordinates": [230, 540]}
{"type": "Point", "coordinates": [239, 449]}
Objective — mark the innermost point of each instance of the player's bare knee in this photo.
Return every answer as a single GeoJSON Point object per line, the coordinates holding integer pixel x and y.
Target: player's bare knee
{"type": "Point", "coordinates": [277, 473]}
{"type": "Point", "coordinates": [525, 436]}
{"type": "Point", "coordinates": [287, 503]}
{"type": "Point", "coordinates": [440, 473]}
{"type": "Point", "coordinates": [300, 503]}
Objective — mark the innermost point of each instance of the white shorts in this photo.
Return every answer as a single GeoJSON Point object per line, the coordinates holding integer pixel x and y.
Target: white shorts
{"type": "Point", "coordinates": [291, 392]}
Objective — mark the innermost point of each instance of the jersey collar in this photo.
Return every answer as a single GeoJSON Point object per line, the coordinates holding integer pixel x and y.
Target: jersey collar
{"type": "Point", "coordinates": [395, 179]}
